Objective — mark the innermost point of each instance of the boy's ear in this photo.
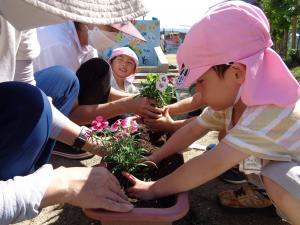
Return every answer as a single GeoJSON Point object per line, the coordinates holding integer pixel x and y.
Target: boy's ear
{"type": "Point", "coordinates": [239, 72]}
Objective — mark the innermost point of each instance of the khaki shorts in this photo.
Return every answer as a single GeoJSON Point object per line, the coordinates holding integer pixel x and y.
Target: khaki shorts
{"type": "Point", "coordinates": [286, 174]}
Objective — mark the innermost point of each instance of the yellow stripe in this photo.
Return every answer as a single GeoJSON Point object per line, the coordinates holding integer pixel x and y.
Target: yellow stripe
{"type": "Point", "coordinates": [280, 129]}
{"type": "Point", "coordinates": [265, 118]}
{"type": "Point", "coordinates": [255, 140]}
{"type": "Point", "coordinates": [215, 119]}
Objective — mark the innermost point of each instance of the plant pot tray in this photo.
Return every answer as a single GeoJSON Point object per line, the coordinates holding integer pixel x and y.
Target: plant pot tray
{"type": "Point", "coordinates": [148, 215]}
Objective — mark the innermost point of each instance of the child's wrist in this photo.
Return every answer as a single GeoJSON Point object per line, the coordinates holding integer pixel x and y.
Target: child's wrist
{"type": "Point", "coordinates": [175, 125]}
{"type": "Point", "coordinates": [154, 157]}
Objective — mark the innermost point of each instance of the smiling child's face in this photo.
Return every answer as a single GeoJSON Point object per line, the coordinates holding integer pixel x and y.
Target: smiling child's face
{"type": "Point", "coordinates": [123, 66]}
{"type": "Point", "coordinates": [220, 92]}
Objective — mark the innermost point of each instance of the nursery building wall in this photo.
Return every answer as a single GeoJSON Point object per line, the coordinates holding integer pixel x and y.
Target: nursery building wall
{"type": "Point", "coordinates": [150, 29]}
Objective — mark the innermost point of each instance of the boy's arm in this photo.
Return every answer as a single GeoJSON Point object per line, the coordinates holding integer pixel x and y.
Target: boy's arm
{"type": "Point", "coordinates": [193, 173]}
{"type": "Point", "coordinates": [186, 105]}
{"type": "Point", "coordinates": [166, 123]}
{"type": "Point", "coordinates": [179, 140]}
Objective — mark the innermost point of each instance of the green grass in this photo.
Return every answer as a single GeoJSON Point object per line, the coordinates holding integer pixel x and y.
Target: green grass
{"type": "Point", "coordinates": [296, 72]}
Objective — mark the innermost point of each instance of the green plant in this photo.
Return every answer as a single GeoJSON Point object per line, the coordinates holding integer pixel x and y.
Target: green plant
{"type": "Point", "coordinates": [293, 58]}
{"type": "Point", "coordinates": [120, 143]}
{"type": "Point", "coordinates": [296, 72]}
{"type": "Point", "coordinates": [159, 88]}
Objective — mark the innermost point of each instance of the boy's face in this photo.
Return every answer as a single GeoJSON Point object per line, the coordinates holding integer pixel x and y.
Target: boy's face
{"type": "Point", "coordinates": [123, 66]}
{"type": "Point", "coordinates": [219, 92]}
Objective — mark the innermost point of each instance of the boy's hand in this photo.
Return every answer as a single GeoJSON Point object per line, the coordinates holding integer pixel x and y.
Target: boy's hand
{"type": "Point", "coordinates": [140, 189]}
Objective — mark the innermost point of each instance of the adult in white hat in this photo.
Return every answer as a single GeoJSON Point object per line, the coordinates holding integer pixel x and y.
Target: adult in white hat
{"type": "Point", "coordinates": [75, 45]}
{"type": "Point", "coordinates": [28, 118]}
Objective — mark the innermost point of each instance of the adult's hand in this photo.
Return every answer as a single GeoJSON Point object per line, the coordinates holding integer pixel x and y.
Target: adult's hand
{"type": "Point", "coordinates": [143, 107]}
{"type": "Point", "coordinates": [87, 188]}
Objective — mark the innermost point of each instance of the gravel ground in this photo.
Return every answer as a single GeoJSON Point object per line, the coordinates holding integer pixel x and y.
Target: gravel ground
{"type": "Point", "coordinates": [204, 209]}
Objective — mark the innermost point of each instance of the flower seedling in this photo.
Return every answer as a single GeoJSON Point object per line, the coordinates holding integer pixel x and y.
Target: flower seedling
{"type": "Point", "coordinates": [121, 144]}
{"type": "Point", "coordinates": [159, 88]}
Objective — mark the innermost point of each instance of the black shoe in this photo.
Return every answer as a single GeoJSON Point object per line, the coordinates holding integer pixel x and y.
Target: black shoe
{"type": "Point", "coordinates": [69, 152]}
{"type": "Point", "coordinates": [233, 176]}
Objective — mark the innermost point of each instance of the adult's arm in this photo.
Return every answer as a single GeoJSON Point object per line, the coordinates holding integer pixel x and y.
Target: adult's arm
{"type": "Point", "coordinates": [84, 114]}
{"type": "Point", "coordinates": [20, 197]}
{"type": "Point", "coordinates": [86, 187]}
{"type": "Point", "coordinates": [116, 94]}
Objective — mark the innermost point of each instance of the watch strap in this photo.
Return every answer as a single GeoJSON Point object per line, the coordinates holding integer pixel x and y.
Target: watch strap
{"type": "Point", "coordinates": [82, 138]}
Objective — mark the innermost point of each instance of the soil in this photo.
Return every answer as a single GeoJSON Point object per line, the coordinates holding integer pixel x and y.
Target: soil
{"type": "Point", "coordinates": [151, 141]}
{"type": "Point", "coordinates": [165, 167]}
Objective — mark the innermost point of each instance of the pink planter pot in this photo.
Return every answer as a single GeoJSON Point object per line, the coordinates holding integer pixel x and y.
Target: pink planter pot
{"type": "Point", "coordinates": [164, 215]}
{"type": "Point", "coordinates": [144, 216]}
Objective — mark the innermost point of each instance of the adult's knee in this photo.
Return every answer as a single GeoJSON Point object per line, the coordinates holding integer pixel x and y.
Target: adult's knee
{"type": "Point", "coordinates": [61, 84]}
{"type": "Point", "coordinates": [57, 79]}
{"type": "Point", "coordinates": [22, 106]}
{"type": "Point", "coordinates": [65, 76]}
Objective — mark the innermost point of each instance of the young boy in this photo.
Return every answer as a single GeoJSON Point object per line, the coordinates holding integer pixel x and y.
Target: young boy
{"type": "Point", "coordinates": [251, 94]}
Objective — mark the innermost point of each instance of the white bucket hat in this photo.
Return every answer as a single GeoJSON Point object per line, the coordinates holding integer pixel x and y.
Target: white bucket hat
{"type": "Point", "coordinates": [26, 14]}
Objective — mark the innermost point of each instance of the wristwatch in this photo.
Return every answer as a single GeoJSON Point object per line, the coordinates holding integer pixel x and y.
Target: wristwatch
{"type": "Point", "coordinates": [82, 138]}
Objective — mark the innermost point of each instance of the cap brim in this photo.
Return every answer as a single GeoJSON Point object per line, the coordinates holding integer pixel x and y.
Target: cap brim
{"type": "Point", "coordinates": [19, 12]}
{"type": "Point", "coordinates": [129, 28]}
{"type": "Point", "coordinates": [189, 76]}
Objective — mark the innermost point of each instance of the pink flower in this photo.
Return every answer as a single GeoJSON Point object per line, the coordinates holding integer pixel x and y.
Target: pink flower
{"type": "Point", "coordinates": [115, 125]}
{"type": "Point", "coordinates": [126, 132]}
{"type": "Point", "coordinates": [119, 135]}
{"type": "Point", "coordinates": [125, 123]}
{"type": "Point", "coordinates": [130, 125]}
{"type": "Point", "coordinates": [99, 123]}
{"type": "Point", "coordinates": [164, 79]}
{"type": "Point", "coordinates": [171, 80]}
{"type": "Point", "coordinates": [134, 126]}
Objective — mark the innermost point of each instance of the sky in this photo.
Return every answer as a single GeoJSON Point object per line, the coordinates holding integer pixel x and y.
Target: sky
{"type": "Point", "coordinates": [177, 13]}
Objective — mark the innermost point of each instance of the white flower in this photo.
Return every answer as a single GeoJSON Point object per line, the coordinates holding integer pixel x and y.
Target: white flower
{"type": "Point", "coordinates": [163, 78]}
{"type": "Point", "coordinates": [161, 86]}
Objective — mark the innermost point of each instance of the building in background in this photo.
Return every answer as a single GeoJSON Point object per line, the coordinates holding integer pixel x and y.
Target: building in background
{"type": "Point", "coordinates": [150, 29]}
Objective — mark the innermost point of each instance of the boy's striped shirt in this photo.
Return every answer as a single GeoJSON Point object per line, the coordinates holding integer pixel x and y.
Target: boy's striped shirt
{"type": "Point", "coordinates": [267, 132]}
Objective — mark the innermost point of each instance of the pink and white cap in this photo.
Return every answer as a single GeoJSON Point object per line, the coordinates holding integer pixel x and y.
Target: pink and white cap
{"type": "Point", "coordinates": [236, 31]}
{"type": "Point", "coordinates": [125, 51]}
